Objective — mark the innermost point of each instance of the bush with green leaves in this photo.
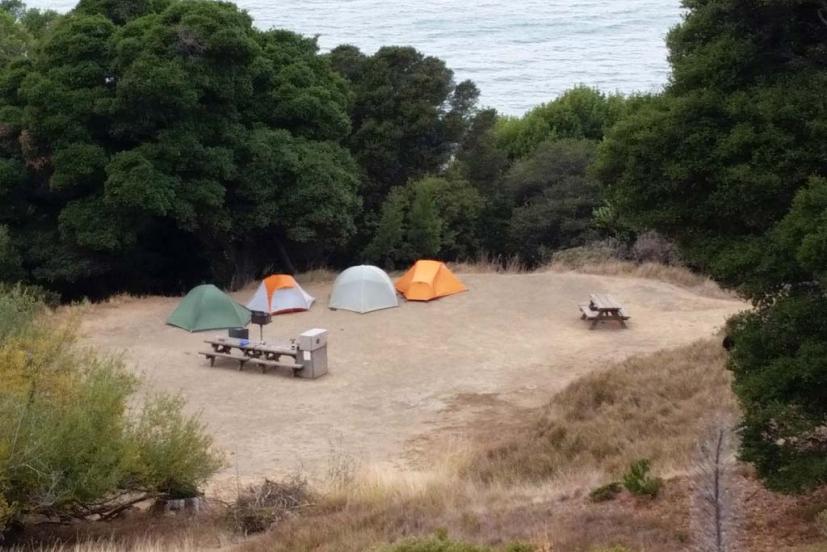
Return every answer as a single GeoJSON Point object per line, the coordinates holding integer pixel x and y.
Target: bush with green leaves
{"type": "Point", "coordinates": [638, 480]}
{"type": "Point", "coordinates": [606, 492]}
{"type": "Point", "coordinates": [74, 442]}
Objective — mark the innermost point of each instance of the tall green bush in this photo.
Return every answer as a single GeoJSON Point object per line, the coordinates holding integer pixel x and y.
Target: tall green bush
{"type": "Point", "coordinates": [71, 443]}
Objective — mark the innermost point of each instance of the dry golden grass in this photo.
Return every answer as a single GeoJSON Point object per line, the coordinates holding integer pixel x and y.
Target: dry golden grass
{"type": "Point", "coordinates": [148, 545]}
{"type": "Point", "coordinates": [488, 264]}
{"type": "Point", "coordinates": [317, 275]}
{"type": "Point", "coordinates": [677, 275]}
{"type": "Point", "coordinates": [532, 485]}
{"type": "Point", "coordinates": [652, 406]}
{"type": "Point", "coordinates": [136, 531]}
{"type": "Point", "coordinates": [601, 261]}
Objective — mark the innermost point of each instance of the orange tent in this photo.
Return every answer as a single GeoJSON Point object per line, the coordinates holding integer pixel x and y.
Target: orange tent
{"type": "Point", "coordinates": [280, 294]}
{"type": "Point", "coordinates": [427, 280]}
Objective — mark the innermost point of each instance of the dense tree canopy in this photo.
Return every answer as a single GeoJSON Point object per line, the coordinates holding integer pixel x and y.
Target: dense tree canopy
{"type": "Point", "coordinates": [554, 198]}
{"type": "Point", "coordinates": [581, 113]}
{"type": "Point", "coordinates": [730, 162]}
{"type": "Point", "coordinates": [144, 142]}
{"type": "Point", "coordinates": [152, 145]}
{"type": "Point", "coordinates": [407, 112]}
{"type": "Point", "coordinates": [716, 161]}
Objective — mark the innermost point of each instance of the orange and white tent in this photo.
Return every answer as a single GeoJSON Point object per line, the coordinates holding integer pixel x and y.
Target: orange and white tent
{"type": "Point", "coordinates": [280, 294]}
{"type": "Point", "coordinates": [427, 280]}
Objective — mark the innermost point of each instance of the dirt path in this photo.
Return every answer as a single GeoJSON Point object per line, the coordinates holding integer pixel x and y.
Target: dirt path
{"type": "Point", "coordinates": [399, 373]}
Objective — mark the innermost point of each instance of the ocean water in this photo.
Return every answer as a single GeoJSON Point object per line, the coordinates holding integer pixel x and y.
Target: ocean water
{"type": "Point", "coordinates": [519, 52]}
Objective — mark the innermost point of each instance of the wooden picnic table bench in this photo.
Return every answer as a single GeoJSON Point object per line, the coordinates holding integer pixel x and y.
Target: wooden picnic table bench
{"type": "Point", "coordinates": [263, 355]}
{"type": "Point", "coordinates": [603, 308]}
{"type": "Point", "coordinates": [265, 364]}
{"type": "Point", "coordinates": [212, 355]}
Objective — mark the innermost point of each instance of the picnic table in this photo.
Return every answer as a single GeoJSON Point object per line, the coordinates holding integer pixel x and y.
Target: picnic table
{"type": "Point", "coordinates": [603, 308]}
{"type": "Point", "coordinates": [262, 354]}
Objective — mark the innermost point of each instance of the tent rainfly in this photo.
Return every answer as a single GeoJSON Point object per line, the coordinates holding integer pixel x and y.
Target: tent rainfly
{"type": "Point", "coordinates": [280, 294]}
{"type": "Point", "coordinates": [427, 280]}
{"type": "Point", "coordinates": [205, 308]}
{"type": "Point", "coordinates": [363, 289]}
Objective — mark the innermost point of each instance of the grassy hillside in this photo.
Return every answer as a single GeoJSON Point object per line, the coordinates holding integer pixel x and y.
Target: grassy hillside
{"type": "Point", "coordinates": [524, 484]}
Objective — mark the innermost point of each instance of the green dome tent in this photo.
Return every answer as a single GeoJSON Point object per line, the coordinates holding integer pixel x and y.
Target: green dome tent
{"type": "Point", "coordinates": [205, 308]}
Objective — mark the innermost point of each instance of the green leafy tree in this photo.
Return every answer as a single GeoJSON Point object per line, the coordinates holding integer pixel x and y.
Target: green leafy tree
{"type": "Point", "coordinates": [21, 27]}
{"type": "Point", "coordinates": [15, 40]}
{"type": "Point", "coordinates": [121, 11]}
{"type": "Point", "coordinates": [780, 361]}
{"type": "Point", "coordinates": [388, 247]}
{"type": "Point", "coordinates": [729, 163]}
{"type": "Point", "coordinates": [151, 145]}
{"type": "Point", "coordinates": [407, 114]}
{"type": "Point", "coordinates": [554, 198]}
{"type": "Point", "coordinates": [424, 234]}
{"type": "Point", "coordinates": [482, 162]}
{"type": "Point", "coordinates": [431, 217]}
{"type": "Point", "coordinates": [580, 112]}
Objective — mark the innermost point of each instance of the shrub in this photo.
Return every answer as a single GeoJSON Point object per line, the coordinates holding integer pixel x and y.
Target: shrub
{"type": "Point", "coordinates": [638, 481]}
{"type": "Point", "coordinates": [606, 492]}
{"type": "Point", "coordinates": [70, 446]}
{"type": "Point", "coordinates": [258, 507]}
{"type": "Point", "coordinates": [18, 307]}
{"type": "Point", "coordinates": [821, 523]}
{"type": "Point", "coordinates": [10, 269]}
{"type": "Point", "coordinates": [651, 247]}
{"type": "Point", "coordinates": [440, 543]}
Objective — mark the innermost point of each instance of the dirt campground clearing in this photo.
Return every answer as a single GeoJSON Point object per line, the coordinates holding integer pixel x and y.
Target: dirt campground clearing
{"type": "Point", "coordinates": [399, 374]}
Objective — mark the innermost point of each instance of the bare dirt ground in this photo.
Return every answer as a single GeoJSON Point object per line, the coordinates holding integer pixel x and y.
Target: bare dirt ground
{"type": "Point", "coordinates": [399, 374]}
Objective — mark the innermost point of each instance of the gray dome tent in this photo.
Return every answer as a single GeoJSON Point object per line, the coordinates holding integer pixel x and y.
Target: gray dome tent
{"type": "Point", "coordinates": [363, 289]}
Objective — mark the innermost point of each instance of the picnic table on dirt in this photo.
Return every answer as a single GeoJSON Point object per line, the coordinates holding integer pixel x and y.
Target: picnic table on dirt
{"type": "Point", "coordinates": [261, 354]}
{"type": "Point", "coordinates": [603, 308]}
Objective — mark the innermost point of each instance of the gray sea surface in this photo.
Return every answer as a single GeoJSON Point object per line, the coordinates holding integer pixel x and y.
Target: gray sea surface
{"type": "Point", "coordinates": [520, 53]}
